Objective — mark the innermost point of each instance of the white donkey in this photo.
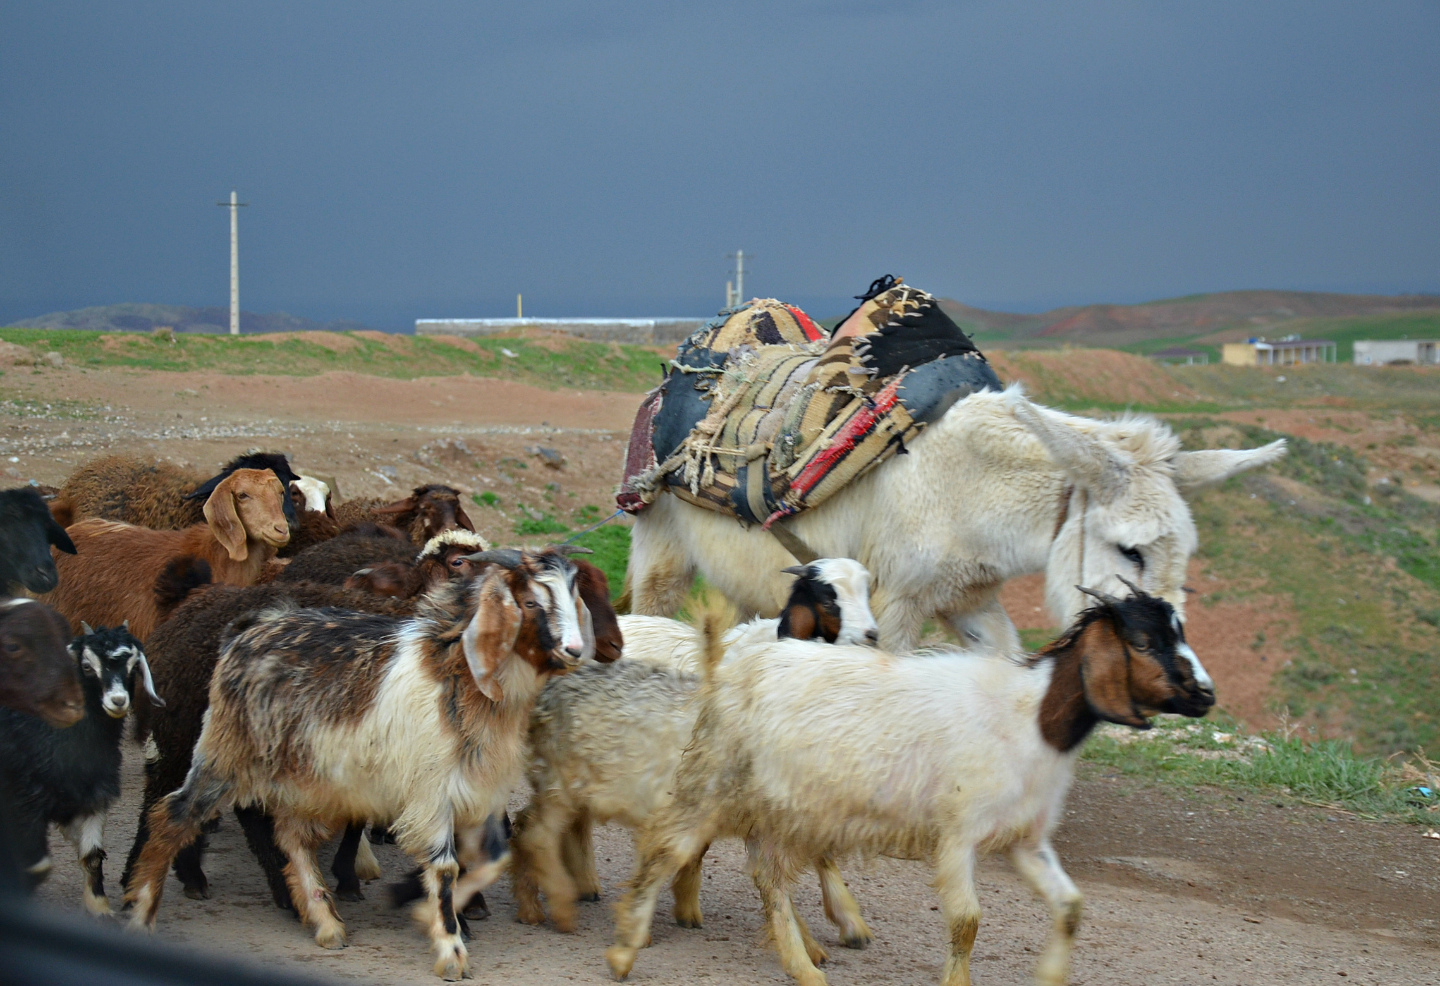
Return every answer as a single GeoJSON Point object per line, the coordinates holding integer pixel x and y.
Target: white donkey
{"type": "Point", "coordinates": [997, 487]}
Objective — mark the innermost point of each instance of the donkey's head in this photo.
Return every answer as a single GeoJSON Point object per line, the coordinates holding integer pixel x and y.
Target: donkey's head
{"type": "Point", "coordinates": [1124, 516]}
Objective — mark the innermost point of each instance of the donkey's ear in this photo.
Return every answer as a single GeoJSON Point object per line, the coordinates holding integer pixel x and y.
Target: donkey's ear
{"type": "Point", "coordinates": [1091, 462]}
{"type": "Point", "coordinates": [1105, 669]}
{"type": "Point", "coordinates": [1194, 470]}
{"type": "Point", "coordinates": [490, 635]}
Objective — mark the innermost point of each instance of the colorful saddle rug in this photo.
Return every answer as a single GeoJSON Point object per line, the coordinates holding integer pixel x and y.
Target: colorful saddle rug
{"type": "Point", "coordinates": [762, 415]}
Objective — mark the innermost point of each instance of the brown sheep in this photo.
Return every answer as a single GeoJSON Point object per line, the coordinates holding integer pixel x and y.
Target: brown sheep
{"type": "Point", "coordinates": [445, 556]}
{"type": "Point", "coordinates": [160, 496]}
{"type": "Point", "coordinates": [113, 578]}
{"type": "Point", "coordinates": [426, 512]}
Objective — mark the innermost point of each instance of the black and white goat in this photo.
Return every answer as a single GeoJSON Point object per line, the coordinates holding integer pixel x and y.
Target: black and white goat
{"type": "Point", "coordinates": [328, 717]}
{"type": "Point", "coordinates": [606, 740]}
{"type": "Point", "coordinates": [71, 776]}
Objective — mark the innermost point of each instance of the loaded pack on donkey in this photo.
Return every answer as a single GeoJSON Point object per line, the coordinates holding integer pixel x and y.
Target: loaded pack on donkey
{"type": "Point", "coordinates": [892, 441]}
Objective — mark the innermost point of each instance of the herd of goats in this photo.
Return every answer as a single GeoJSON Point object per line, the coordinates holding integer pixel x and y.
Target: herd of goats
{"type": "Point", "coordinates": [320, 668]}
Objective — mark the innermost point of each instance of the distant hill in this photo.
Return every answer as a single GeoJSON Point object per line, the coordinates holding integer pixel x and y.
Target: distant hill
{"type": "Point", "coordinates": [144, 318]}
{"type": "Point", "coordinates": [1216, 317]}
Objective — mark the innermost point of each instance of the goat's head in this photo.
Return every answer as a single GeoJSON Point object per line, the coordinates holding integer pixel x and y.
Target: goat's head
{"type": "Point", "coordinates": [37, 674]}
{"type": "Point", "coordinates": [311, 495]}
{"type": "Point", "coordinates": [525, 605]}
{"type": "Point", "coordinates": [116, 660]}
{"type": "Point", "coordinates": [1134, 660]}
{"type": "Point", "coordinates": [830, 600]}
{"type": "Point", "coordinates": [29, 531]}
{"type": "Point", "coordinates": [447, 555]}
{"type": "Point", "coordinates": [435, 507]}
{"type": "Point", "coordinates": [248, 504]}
{"type": "Point", "coordinates": [274, 461]}
{"type": "Point", "coordinates": [1122, 509]}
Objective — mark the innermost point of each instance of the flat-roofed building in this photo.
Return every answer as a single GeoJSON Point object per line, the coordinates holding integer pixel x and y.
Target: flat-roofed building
{"type": "Point", "coordinates": [1279, 352]}
{"type": "Point", "coordinates": [1378, 352]}
{"type": "Point", "coordinates": [1180, 356]}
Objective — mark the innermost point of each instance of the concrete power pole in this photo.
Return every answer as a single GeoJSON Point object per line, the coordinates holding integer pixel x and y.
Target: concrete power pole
{"type": "Point", "coordinates": [234, 206]}
{"type": "Point", "coordinates": [736, 296]}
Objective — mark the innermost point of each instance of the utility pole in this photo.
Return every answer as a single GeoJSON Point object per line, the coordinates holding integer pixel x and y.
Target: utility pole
{"type": "Point", "coordinates": [234, 206]}
{"type": "Point", "coordinates": [738, 296]}
{"type": "Point", "coordinates": [519, 307]}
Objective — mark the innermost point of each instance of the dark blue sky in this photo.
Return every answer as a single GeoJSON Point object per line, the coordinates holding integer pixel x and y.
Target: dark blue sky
{"type": "Point", "coordinates": [434, 158]}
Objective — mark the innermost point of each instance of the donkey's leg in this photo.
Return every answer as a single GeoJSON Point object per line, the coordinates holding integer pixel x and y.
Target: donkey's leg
{"type": "Point", "coordinates": [1040, 868]}
{"type": "Point", "coordinates": [660, 573]}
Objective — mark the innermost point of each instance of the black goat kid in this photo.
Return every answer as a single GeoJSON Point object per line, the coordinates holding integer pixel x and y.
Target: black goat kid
{"type": "Point", "coordinates": [71, 776]}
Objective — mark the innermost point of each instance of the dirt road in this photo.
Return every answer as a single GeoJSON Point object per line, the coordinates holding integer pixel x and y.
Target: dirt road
{"type": "Point", "coordinates": [1195, 887]}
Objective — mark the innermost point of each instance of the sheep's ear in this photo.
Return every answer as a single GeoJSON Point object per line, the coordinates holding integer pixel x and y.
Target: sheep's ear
{"type": "Point", "coordinates": [1105, 668]}
{"type": "Point", "coordinates": [1195, 470]}
{"type": "Point", "coordinates": [1089, 461]}
{"type": "Point", "coordinates": [490, 635]}
{"type": "Point", "coordinates": [56, 535]}
{"type": "Point", "coordinates": [224, 522]}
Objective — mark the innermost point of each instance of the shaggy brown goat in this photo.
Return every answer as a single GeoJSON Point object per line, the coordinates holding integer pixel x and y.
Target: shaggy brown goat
{"type": "Point", "coordinates": [426, 512]}
{"type": "Point", "coordinates": [326, 685]}
{"type": "Point", "coordinates": [334, 561]}
{"type": "Point", "coordinates": [113, 578]}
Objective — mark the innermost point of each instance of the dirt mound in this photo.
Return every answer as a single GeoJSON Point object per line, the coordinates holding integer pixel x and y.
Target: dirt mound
{"type": "Point", "coordinates": [333, 341]}
{"type": "Point", "coordinates": [1107, 377]}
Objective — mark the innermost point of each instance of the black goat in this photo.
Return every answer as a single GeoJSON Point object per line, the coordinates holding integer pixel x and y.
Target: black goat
{"type": "Point", "coordinates": [72, 776]}
{"type": "Point", "coordinates": [27, 530]}
{"type": "Point", "coordinates": [37, 674]}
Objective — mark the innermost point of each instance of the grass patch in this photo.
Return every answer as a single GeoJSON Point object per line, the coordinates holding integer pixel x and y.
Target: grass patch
{"type": "Point", "coordinates": [1325, 773]}
{"type": "Point", "coordinates": [547, 360]}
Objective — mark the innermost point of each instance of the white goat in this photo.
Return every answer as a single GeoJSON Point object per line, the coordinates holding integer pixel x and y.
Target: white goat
{"type": "Point", "coordinates": [998, 487]}
{"type": "Point", "coordinates": [808, 751]}
{"type": "Point", "coordinates": [606, 740]}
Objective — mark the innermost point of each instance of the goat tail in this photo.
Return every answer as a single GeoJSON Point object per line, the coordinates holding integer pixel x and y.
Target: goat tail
{"type": "Point", "coordinates": [714, 615]}
{"type": "Point", "coordinates": [180, 577]}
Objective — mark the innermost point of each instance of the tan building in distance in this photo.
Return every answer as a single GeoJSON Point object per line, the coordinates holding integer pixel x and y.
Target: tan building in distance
{"type": "Point", "coordinates": [1292, 351]}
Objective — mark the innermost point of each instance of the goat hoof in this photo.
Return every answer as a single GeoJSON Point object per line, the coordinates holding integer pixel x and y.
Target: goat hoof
{"type": "Point", "coordinates": [452, 967]}
{"type": "Point", "coordinates": [331, 937]}
{"type": "Point", "coordinates": [477, 911]}
{"type": "Point", "coordinates": [198, 891]}
{"type": "Point", "coordinates": [348, 893]}
{"type": "Point", "coordinates": [590, 897]}
{"type": "Point", "coordinates": [530, 914]}
{"type": "Point", "coordinates": [859, 941]}
{"type": "Point", "coordinates": [620, 960]}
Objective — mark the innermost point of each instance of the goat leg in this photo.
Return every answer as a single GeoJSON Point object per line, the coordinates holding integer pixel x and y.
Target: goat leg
{"type": "Point", "coordinates": [840, 906]}
{"type": "Point", "coordinates": [347, 881]}
{"type": "Point", "coordinates": [259, 829]}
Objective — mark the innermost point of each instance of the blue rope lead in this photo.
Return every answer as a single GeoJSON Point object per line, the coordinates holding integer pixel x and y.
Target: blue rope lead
{"type": "Point", "coordinates": [592, 527]}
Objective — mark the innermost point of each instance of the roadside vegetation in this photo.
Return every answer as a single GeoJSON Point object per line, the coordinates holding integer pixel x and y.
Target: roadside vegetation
{"type": "Point", "coordinates": [536, 357]}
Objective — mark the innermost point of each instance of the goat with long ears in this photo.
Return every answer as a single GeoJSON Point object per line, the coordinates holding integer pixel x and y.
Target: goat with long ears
{"type": "Point", "coordinates": [945, 754]}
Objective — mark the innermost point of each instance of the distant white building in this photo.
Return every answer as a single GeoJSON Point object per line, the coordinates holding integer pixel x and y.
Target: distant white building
{"type": "Point", "coordinates": [645, 331]}
{"type": "Point", "coordinates": [1378, 352]}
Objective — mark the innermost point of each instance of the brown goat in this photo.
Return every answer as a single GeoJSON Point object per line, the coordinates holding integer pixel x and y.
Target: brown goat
{"type": "Point", "coordinates": [37, 673]}
{"type": "Point", "coordinates": [113, 577]}
{"type": "Point", "coordinates": [445, 556]}
{"type": "Point", "coordinates": [426, 512]}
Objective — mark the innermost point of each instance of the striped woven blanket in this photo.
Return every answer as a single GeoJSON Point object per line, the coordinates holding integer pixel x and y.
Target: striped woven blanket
{"type": "Point", "coordinates": [762, 415]}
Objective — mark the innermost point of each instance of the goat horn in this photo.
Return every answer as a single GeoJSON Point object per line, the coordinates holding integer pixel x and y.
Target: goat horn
{"type": "Point", "coordinates": [85, 628]}
{"type": "Point", "coordinates": [796, 570]}
{"type": "Point", "coordinates": [504, 557]}
{"type": "Point", "coordinates": [572, 549]}
{"type": "Point", "coordinates": [1131, 586]}
{"type": "Point", "coordinates": [1104, 597]}
{"type": "Point", "coordinates": [149, 683]}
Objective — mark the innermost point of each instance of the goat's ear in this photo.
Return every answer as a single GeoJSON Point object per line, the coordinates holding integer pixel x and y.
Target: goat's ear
{"type": "Point", "coordinates": [798, 620]}
{"type": "Point", "coordinates": [463, 519]}
{"type": "Point", "coordinates": [224, 521]}
{"type": "Point", "coordinates": [594, 590]}
{"type": "Point", "coordinates": [491, 634]}
{"type": "Point", "coordinates": [62, 514]}
{"type": "Point", "coordinates": [56, 535]}
{"type": "Point", "coordinates": [398, 508]}
{"type": "Point", "coordinates": [330, 505]}
{"type": "Point", "coordinates": [1105, 667]}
